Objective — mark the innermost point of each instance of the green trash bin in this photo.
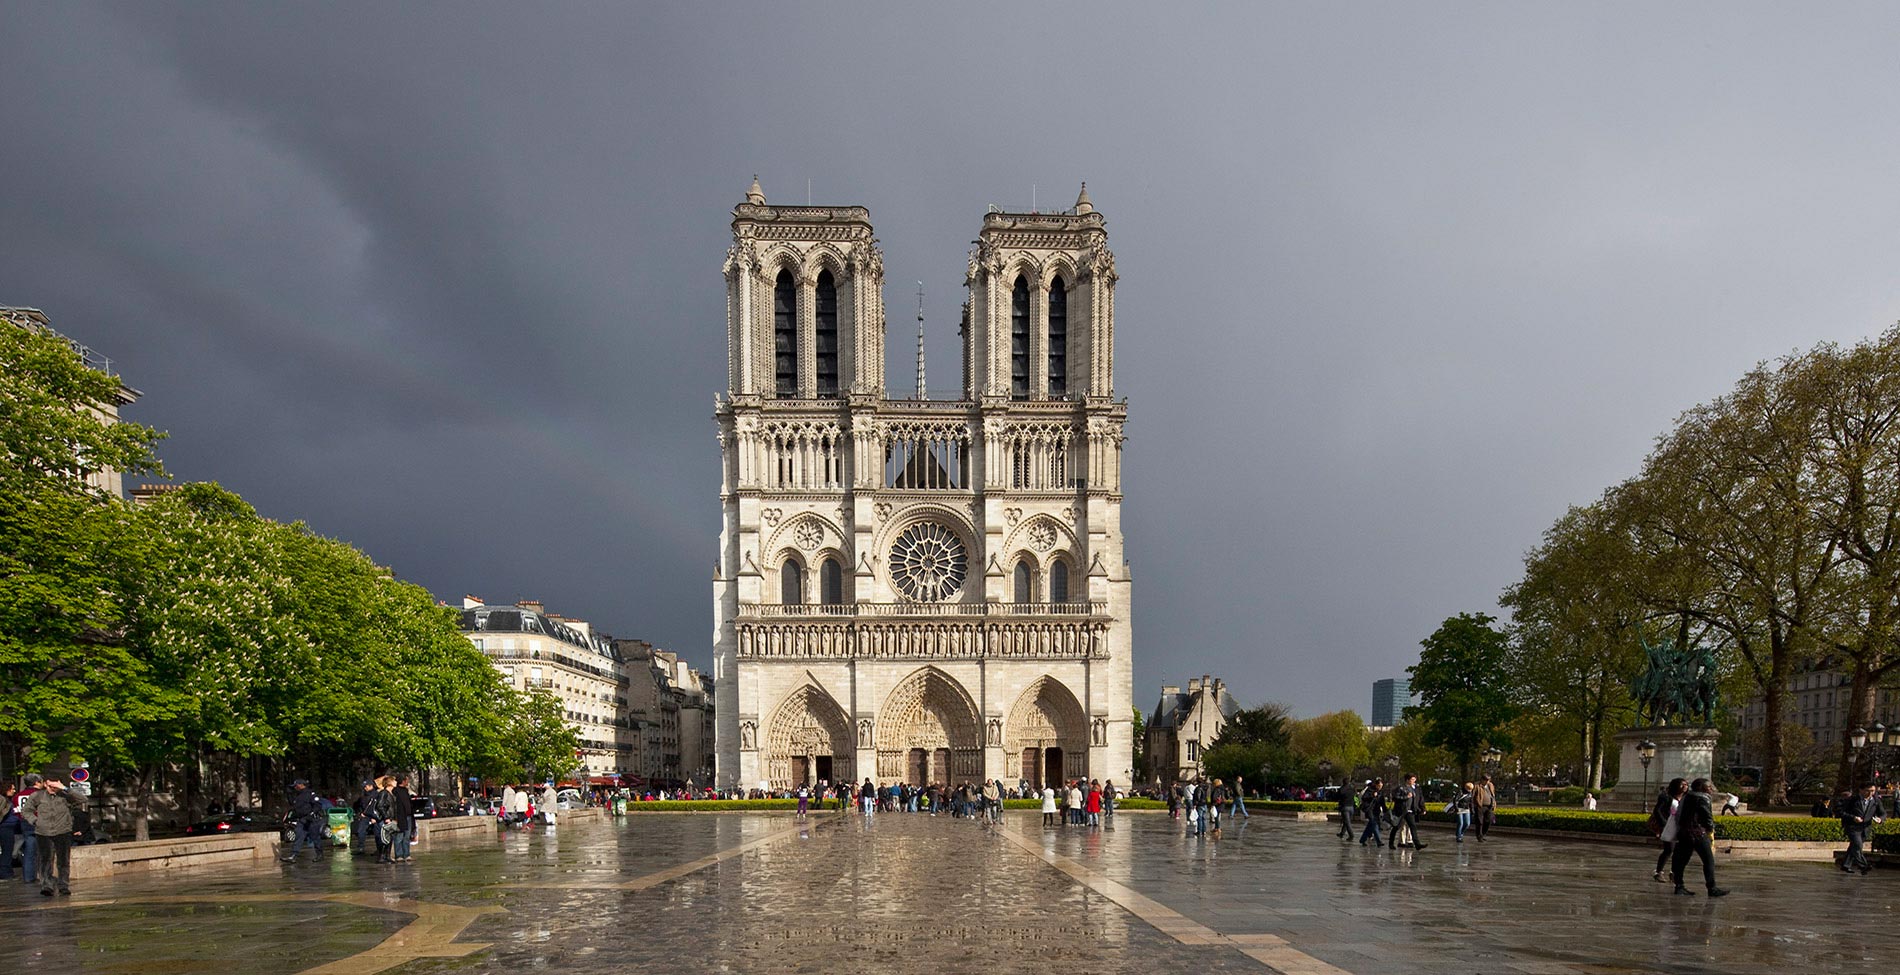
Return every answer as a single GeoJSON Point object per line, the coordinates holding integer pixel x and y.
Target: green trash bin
{"type": "Point", "coordinates": [338, 824]}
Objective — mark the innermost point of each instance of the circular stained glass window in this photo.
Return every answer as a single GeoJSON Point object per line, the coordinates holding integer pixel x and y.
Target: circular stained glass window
{"type": "Point", "coordinates": [928, 563]}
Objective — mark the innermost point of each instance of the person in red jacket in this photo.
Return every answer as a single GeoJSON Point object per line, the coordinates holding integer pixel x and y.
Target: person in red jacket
{"type": "Point", "coordinates": [1095, 802]}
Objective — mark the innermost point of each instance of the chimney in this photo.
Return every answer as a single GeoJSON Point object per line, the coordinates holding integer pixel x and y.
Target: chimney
{"type": "Point", "coordinates": [533, 604]}
{"type": "Point", "coordinates": [1170, 690]}
{"type": "Point", "coordinates": [470, 602]}
{"type": "Point", "coordinates": [1194, 685]}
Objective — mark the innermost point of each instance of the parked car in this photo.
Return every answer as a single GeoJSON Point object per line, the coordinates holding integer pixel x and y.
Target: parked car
{"type": "Point", "coordinates": [234, 823]}
{"type": "Point", "coordinates": [434, 807]}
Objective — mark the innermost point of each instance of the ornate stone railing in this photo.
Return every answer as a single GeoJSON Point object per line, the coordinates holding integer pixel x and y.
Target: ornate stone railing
{"type": "Point", "coordinates": [769, 611]}
{"type": "Point", "coordinates": [843, 638]}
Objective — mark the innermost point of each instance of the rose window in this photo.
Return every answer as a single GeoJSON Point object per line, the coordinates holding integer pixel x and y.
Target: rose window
{"type": "Point", "coordinates": [928, 563]}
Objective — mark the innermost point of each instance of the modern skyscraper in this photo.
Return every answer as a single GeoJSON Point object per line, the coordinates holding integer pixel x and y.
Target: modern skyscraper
{"type": "Point", "coordinates": [1390, 697]}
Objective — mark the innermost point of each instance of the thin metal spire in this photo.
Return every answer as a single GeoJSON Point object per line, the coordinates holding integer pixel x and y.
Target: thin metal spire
{"type": "Point", "coordinates": [921, 394]}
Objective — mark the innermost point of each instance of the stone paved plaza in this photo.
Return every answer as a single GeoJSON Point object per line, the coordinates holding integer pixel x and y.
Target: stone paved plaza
{"type": "Point", "coordinates": [905, 893]}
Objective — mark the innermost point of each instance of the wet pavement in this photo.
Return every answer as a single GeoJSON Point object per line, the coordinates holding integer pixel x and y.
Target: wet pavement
{"type": "Point", "coordinates": [909, 893]}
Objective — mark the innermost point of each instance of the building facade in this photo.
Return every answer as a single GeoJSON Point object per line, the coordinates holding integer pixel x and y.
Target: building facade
{"type": "Point", "coordinates": [1390, 698]}
{"type": "Point", "coordinates": [1182, 727]}
{"type": "Point", "coordinates": [912, 589]}
{"type": "Point", "coordinates": [537, 650]}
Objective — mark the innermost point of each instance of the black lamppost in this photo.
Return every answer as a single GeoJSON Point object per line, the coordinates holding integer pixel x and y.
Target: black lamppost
{"type": "Point", "coordinates": [1391, 770]}
{"type": "Point", "coordinates": [1646, 750]}
{"type": "Point", "coordinates": [1325, 772]}
{"type": "Point", "coordinates": [1857, 740]}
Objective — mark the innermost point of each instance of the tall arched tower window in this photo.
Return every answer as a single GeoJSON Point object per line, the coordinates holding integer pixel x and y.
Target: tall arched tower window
{"type": "Point", "coordinates": [1025, 584]}
{"type": "Point", "coordinates": [830, 583]}
{"type": "Point", "coordinates": [791, 583]}
{"type": "Point", "coordinates": [1059, 582]}
{"type": "Point", "coordinates": [827, 335]}
{"type": "Point", "coordinates": [1019, 340]}
{"type": "Point", "coordinates": [1058, 340]}
{"type": "Point", "coordinates": [785, 333]}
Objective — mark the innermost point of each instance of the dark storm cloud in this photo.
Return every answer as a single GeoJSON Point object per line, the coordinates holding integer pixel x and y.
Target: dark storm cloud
{"type": "Point", "coordinates": [1398, 283]}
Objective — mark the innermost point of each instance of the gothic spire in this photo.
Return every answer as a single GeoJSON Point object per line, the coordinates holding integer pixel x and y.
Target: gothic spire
{"type": "Point", "coordinates": [1082, 204]}
{"type": "Point", "coordinates": [755, 195]}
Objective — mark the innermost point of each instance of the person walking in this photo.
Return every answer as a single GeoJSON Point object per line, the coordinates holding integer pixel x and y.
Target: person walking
{"type": "Point", "coordinates": [1348, 802]}
{"type": "Point", "coordinates": [380, 812]}
{"type": "Point", "coordinates": [804, 799]}
{"type": "Point", "coordinates": [1372, 807]}
{"type": "Point", "coordinates": [1460, 807]}
{"type": "Point", "coordinates": [1174, 801]}
{"type": "Point", "coordinates": [1665, 822]}
{"type": "Point", "coordinates": [306, 821]}
{"type": "Point", "coordinates": [53, 811]}
{"type": "Point", "coordinates": [29, 843]}
{"type": "Point", "coordinates": [1239, 808]}
{"type": "Point", "coordinates": [360, 840]}
{"type": "Point", "coordinates": [1859, 816]}
{"type": "Point", "coordinates": [405, 812]}
{"type": "Point", "coordinates": [10, 828]}
{"type": "Point", "coordinates": [1697, 834]}
{"type": "Point", "coordinates": [867, 797]}
{"type": "Point", "coordinates": [1109, 795]}
{"type": "Point", "coordinates": [1048, 806]}
{"type": "Point", "coordinates": [1484, 807]}
{"type": "Point", "coordinates": [1408, 804]}
{"type": "Point", "coordinates": [993, 800]}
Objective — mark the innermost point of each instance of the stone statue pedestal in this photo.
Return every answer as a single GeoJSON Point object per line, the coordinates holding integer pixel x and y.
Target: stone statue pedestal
{"type": "Point", "coordinates": [1687, 753]}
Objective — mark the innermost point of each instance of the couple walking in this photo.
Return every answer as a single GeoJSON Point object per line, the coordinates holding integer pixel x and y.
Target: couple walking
{"type": "Point", "coordinates": [1684, 819]}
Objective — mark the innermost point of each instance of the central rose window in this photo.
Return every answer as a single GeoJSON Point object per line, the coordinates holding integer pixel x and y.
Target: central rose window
{"type": "Point", "coordinates": [928, 563]}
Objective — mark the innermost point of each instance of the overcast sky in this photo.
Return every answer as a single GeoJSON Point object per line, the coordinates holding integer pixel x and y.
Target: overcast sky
{"type": "Point", "coordinates": [1398, 283]}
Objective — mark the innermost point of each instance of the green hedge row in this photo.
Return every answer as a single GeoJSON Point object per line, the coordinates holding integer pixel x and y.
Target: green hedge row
{"type": "Point", "coordinates": [729, 805]}
{"type": "Point", "coordinates": [1637, 824]}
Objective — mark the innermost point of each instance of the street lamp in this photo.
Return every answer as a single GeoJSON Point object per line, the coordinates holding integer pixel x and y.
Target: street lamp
{"type": "Point", "coordinates": [1326, 771]}
{"type": "Point", "coordinates": [1856, 740]}
{"type": "Point", "coordinates": [1391, 769]}
{"type": "Point", "coordinates": [1646, 750]}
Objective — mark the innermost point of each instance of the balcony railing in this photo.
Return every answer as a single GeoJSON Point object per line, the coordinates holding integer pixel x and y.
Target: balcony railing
{"type": "Point", "coordinates": [888, 610]}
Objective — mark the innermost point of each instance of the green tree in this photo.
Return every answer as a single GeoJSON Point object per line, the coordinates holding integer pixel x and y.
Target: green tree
{"type": "Point", "coordinates": [68, 683]}
{"type": "Point", "coordinates": [53, 431]}
{"type": "Point", "coordinates": [1461, 680]}
{"type": "Point", "coordinates": [1574, 640]}
{"type": "Point", "coordinates": [1253, 744]}
{"type": "Point", "coordinates": [1338, 738]}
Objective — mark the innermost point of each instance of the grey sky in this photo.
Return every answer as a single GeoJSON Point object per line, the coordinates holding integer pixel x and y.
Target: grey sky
{"type": "Point", "coordinates": [1398, 283]}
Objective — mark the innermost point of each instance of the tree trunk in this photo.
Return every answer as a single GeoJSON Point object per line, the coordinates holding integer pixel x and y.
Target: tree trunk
{"type": "Point", "coordinates": [1860, 714]}
{"type": "Point", "coordinates": [142, 802]}
{"type": "Point", "coordinates": [1596, 752]}
{"type": "Point", "coordinates": [1773, 790]}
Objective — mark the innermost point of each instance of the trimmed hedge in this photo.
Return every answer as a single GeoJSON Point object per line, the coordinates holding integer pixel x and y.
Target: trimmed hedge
{"type": "Point", "coordinates": [1772, 828]}
{"type": "Point", "coordinates": [769, 805]}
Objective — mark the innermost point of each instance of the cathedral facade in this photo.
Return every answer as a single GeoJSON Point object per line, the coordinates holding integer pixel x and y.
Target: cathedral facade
{"type": "Point", "coordinates": [916, 589]}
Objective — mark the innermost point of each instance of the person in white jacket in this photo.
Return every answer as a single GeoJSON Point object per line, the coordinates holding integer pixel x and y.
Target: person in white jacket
{"type": "Point", "coordinates": [1048, 806]}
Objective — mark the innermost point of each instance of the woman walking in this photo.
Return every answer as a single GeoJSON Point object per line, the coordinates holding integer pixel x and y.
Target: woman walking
{"type": "Point", "coordinates": [1461, 807]}
{"type": "Point", "coordinates": [1664, 821]}
{"type": "Point", "coordinates": [1695, 835]}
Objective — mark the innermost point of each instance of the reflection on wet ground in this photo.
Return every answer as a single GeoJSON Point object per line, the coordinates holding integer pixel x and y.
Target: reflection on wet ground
{"type": "Point", "coordinates": [911, 893]}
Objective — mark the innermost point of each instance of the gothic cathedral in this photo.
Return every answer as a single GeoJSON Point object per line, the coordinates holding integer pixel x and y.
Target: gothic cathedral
{"type": "Point", "coordinates": [916, 589]}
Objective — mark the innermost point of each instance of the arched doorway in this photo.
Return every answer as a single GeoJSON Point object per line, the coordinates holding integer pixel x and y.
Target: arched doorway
{"type": "Point", "coordinates": [808, 741]}
{"type": "Point", "coordinates": [1048, 729]}
{"type": "Point", "coordinates": [929, 719]}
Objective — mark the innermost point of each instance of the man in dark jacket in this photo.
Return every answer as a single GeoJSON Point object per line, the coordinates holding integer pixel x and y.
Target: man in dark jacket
{"type": "Point", "coordinates": [405, 804]}
{"type": "Point", "coordinates": [1858, 816]}
{"type": "Point", "coordinates": [1407, 806]}
{"type": "Point", "coordinates": [1348, 802]}
{"type": "Point", "coordinates": [1372, 807]}
{"type": "Point", "coordinates": [53, 813]}
{"type": "Point", "coordinates": [360, 839]}
{"type": "Point", "coordinates": [1696, 834]}
{"type": "Point", "coordinates": [306, 820]}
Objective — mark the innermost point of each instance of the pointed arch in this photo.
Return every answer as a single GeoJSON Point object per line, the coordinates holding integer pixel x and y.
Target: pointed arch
{"type": "Point", "coordinates": [1019, 338]}
{"type": "Point", "coordinates": [1023, 580]}
{"type": "Point", "coordinates": [791, 582]}
{"type": "Point", "coordinates": [809, 734]}
{"type": "Point", "coordinates": [1058, 345]}
{"type": "Point", "coordinates": [825, 337]}
{"type": "Point", "coordinates": [831, 582]}
{"type": "Point", "coordinates": [1048, 732]}
{"type": "Point", "coordinates": [929, 714]}
{"type": "Point", "coordinates": [1059, 580]}
{"type": "Point", "coordinates": [785, 332]}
